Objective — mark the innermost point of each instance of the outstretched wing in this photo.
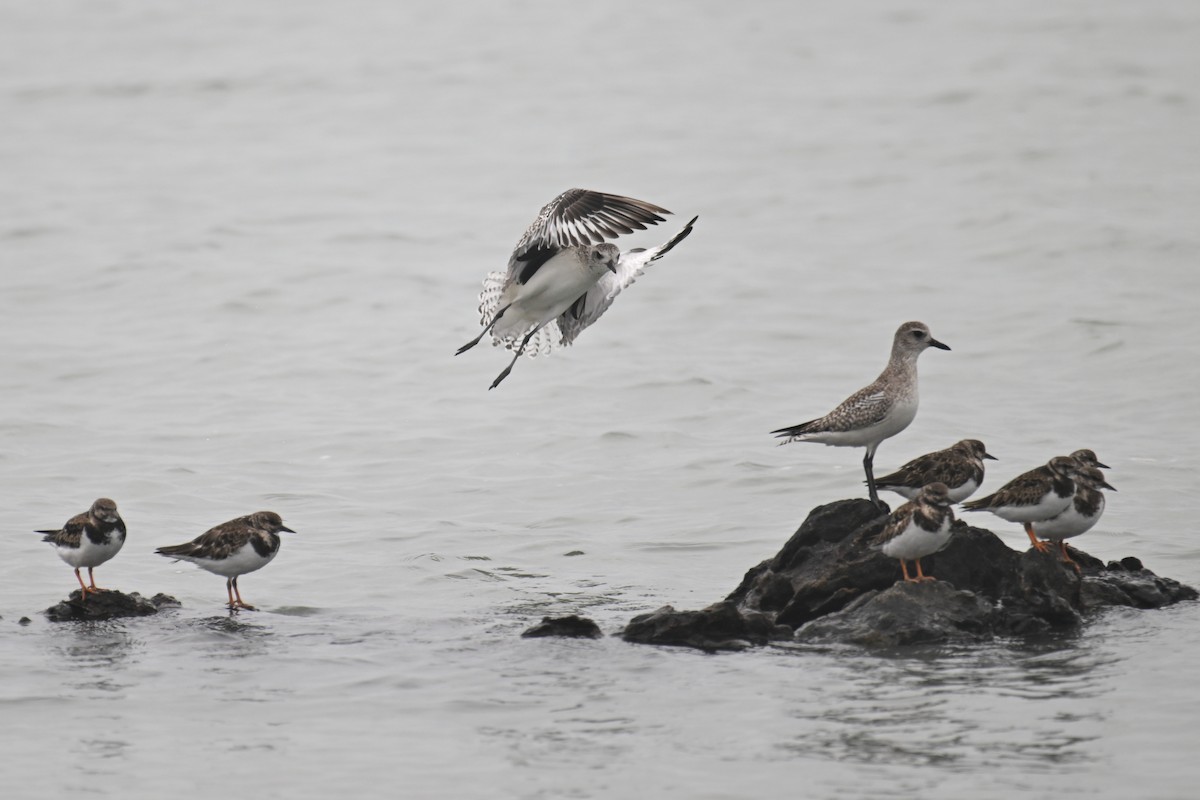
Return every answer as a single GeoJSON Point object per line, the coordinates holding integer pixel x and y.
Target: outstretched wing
{"type": "Point", "coordinates": [590, 306]}
{"type": "Point", "coordinates": [575, 218]}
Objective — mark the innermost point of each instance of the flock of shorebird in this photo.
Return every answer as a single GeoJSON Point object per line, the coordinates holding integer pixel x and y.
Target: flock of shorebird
{"type": "Point", "coordinates": [561, 277]}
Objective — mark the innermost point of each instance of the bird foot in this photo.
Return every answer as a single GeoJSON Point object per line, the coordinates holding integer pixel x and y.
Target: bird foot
{"type": "Point", "coordinates": [1042, 546]}
{"type": "Point", "coordinates": [500, 377]}
{"type": "Point", "coordinates": [237, 605]}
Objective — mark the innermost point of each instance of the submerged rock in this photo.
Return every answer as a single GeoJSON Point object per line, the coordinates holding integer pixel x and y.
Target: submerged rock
{"type": "Point", "coordinates": [722, 626]}
{"type": "Point", "coordinates": [109, 604]}
{"type": "Point", "coordinates": [572, 626]}
{"type": "Point", "coordinates": [829, 584]}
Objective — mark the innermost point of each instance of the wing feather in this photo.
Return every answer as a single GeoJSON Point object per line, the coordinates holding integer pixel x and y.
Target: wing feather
{"type": "Point", "coordinates": [580, 217]}
{"type": "Point", "coordinates": [597, 299]}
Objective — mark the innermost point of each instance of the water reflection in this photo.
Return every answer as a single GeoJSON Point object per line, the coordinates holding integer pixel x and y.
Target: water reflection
{"type": "Point", "coordinates": [98, 653]}
{"type": "Point", "coordinates": [1033, 705]}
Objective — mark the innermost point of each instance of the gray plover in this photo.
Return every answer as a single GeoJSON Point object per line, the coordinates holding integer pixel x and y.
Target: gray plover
{"type": "Point", "coordinates": [959, 466]}
{"type": "Point", "coordinates": [918, 528]}
{"type": "Point", "coordinates": [1080, 515]}
{"type": "Point", "coordinates": [1032, 497]}
{"type": "Point", "coordinates": [88, 540]}
{"type": "Point", "coordinates": [232, 549]}
{"type": "Point", "coordinates": [878, 411]}
{"type": "Point", "coordinates": [562, 276]}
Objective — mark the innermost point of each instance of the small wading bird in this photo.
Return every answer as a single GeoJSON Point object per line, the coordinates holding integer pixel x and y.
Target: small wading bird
{"type": "Point", "coordinates": [878, 411]}
{"type": "Point", "coordinates": [1081, 515]}
{"type": "Point", "coordinates": [562, 276]}
{"type": "Point", "coordinates": [919, 528]}
{"type": "Point", "coordinates": [959, 466]}
{"type": "Point", "coordinates": [232, 549]}
{"type": "Point", "coordinates": [1034, 496]}
{"type": "Point", "coordinates": [88, 540]}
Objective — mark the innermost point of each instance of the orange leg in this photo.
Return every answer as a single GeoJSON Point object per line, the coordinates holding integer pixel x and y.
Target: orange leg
{"type": "Point", "coordinates": [921, 576]}
{"type": "Point", "coordinates": [1062, 544]}
{"type": "Point", "coordinates": [240, 602]}
{"type": "Point", "coordinates": [83, 593]}
{"type": "Point", "coordinates": [92, 580]}
{"type": "Point", "coordinates": [904, 567]}
{"type": "Point", "coordinates": [1038, 544]}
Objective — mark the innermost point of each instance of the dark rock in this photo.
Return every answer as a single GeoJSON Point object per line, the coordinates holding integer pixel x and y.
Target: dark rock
{"type": "Point", "coordinates": [906, 614]}
{"type": "Point", "coordinates": [24, 621]}
{"type": "Point", "coordinates": [573, 626]}
{"type": "Point", "coordinates": [721, 626]}
{"type": "Point", "coordinates": [828, 571]}
{"type": "Point", "coordinates": [109, 604]}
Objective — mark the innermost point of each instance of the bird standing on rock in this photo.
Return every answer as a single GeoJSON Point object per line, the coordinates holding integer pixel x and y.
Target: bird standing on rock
{"type": "Point", "coordinates": [1080, 515]}
{"type": "Point", "coordinates": [959, 466]}
{"type": "Point", "coordinates": [878, 411]}
{"type": "Point", "coordinates": [88, 540]}
{"type": "Point", "coordinates": [918, 528]}
{"type": "Point", "coordinates": [1032, 497]}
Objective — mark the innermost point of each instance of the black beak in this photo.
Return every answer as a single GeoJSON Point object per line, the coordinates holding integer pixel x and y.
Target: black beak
{"type": "Point", "coordinates": [1106, 485]}
{"type": "Point", "coordinates": [612, 268]}
{"type": "Point", "coordinates": [1104, 466]}
{"type": "Point", "coordinates": [286, 528]}
{"type": "Point", "coordinates": [935, 343]}
{"type": "Point", "coordinates": [989, 456]}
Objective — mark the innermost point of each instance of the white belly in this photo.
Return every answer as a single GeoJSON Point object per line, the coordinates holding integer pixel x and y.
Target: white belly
{"type": "Point", "coordinates": [553, 288]}
{"type": "Point", "coordinates": [246, 559]}
{"type": "Point", "coordinates": [89, 554]}
{"type": "Point", "coordinates": [1067, 524]}
{"type": "Point", "coordinates": [916, 542]}
{"type": "Point", "coordinates": [963, 491]}
{"type": "Point", "coordinates": [1050, 506]}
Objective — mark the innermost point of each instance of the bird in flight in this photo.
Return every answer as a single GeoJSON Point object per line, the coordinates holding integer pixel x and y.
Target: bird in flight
{"type": "Point", "coordinates": [562, 275]}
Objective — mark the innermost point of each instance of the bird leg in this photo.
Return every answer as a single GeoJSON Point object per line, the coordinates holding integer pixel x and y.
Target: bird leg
{"type": "Point", "coordinates": [240, 602]}
{"type": "Point", "coordinates": [92, 580]}
{"type": "Point", "coordinates": [904, 568]}
{"type": "Point", "coordinates": [1038, 544]}
{"type": "Point", "coordinates": [83, 593]}
{"type": "Point", "coordinates": [868, 467]}
{"type": "Point", "coordinates": [921, 576]}
{"type": "Point", "coordinates": [520, 351]}
{"type": "Point", "coordinates": [482, 333]}
{"type": "Point", "coordinates": [1062, 544]}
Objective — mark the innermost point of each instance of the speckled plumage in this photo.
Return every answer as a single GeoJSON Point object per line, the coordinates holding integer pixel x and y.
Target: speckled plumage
{"type": "Point", "coordinates": [562, 276]}
{"type": "Point", "coordinates": [959, 466]}
{"type": "Point", "coordinates": [1088, 458]}
{"type": "Point", "coordinates": [88, 540]}
{"type": "Point", "coordinates": [233, 548]}
{"type": "Point", "coordinates": [1034, 496]}
{"type": "Point", "coordinates": [918, 528]}
{"type": "Point", "coordinates": [1082, 513]}
{"type": "Point", "coordinates": [875, 412]}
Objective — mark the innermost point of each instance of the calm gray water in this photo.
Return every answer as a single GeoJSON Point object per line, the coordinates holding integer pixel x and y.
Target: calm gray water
{"type": "Point", "coordinates": [239, 243]}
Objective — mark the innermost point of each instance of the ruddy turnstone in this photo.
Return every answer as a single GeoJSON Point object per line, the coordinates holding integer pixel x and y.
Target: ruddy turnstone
{"type": "Point", "coordinates": [1035, 496]}
{"type": "Point", "coordinates": [88, 540]}
{"type": "Point", "coordinates": [918, 528]}
{"type": "Point", "coordinates": [1088, 459]}
{"type": "Point", "coordinates": [562, 276]}
{"type": "Point", "coordinates": [959, 466]}
{"type": "Point", "coordinates": [878, 411]}
{"type": "Point", "coordinates": [232, 549]}
{"type": "Point", "coordinates": [1080, 515]}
